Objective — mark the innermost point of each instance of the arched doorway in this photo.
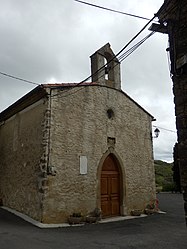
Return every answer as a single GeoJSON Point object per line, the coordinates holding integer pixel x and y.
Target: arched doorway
{"type": "Point", "coordinates": [110, 187]}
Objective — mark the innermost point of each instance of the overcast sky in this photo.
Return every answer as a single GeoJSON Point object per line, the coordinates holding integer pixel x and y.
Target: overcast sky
{"type": "Point", "coordinates": [51, 41]}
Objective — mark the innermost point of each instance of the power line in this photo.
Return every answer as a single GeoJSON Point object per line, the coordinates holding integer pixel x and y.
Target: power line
{"type": "Point", "coordinates": [164, 129]}
{"type": "Point", "coordinates": [108, 62]}
{"type": "Point", "coordinates": [112, 10]}
{"type": "Point", "coordinates": [150, 20]}
{"type": "Point", "coordinates": [121, 58]}
{"type": "Point", "coordinates": [135, 36]}
{"type": "Point", "coordinates": [17, 78]}
{"type": "Point", "coordinates": [133, 48]}
{"type": "Point", "coordinates": [127, 53]}
{"type": "Point", "coordinates": [103, 67]}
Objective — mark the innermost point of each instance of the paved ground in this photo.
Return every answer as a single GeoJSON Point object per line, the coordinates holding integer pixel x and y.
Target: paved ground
{"type": "Point", "coordinates": [166, 231]}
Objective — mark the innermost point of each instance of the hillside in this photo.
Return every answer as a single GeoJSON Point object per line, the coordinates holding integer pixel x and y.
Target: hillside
{"type": "Point", "coordinates": [164, 176]}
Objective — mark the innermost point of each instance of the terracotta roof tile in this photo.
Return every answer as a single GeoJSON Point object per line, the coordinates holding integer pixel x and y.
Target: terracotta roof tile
{"type": "Point", "coordinates": [54, 85]}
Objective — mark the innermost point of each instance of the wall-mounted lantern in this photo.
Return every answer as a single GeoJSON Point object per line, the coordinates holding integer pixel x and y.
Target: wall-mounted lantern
{"type": "Point", "coordinates": [156, 132]}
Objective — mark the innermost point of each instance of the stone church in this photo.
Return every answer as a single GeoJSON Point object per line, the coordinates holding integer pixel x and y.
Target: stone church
{"type": "Point", "coordinates": [69, 148]}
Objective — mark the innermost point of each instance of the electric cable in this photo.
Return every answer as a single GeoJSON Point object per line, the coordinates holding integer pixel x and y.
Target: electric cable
{"type": "Point", "coordinates": [132, 49]}
{"type": "Point", "coordinates": [108, 62]}
{"type": "Point", "coordinates": [150, 20]}
{"type": "Point", "coordinates": [17, 78]}
{"type": "Point", "coordinates": [112, 10]}
{"type": "Point", "coordinates": [103, 67]}
{"type": "Point", "coordinates": [155, 126]}
{"type": "Point", "coordinates": [121, 58]}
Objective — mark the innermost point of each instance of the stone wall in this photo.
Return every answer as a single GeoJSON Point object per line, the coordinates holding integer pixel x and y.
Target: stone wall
{"type": "Point", "coordinates": [174, 14]}
{"type": "Point", "coordinates": [21, 149]}
{"type": "Point", "coordinates": [179, 36]}
{"type": "Point", "coordinates": [80, 126]}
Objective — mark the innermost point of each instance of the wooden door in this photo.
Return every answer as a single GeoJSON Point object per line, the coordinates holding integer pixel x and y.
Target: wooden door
{"type": "Point", "coordinates": [110, 187]}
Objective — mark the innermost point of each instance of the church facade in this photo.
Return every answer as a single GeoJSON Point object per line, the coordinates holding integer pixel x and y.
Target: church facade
{"type": "Point", "coordinates": [71, 148]}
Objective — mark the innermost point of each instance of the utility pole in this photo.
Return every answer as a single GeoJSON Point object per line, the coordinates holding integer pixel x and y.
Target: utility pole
{"type": "Point", "coordinates": [173, 21]}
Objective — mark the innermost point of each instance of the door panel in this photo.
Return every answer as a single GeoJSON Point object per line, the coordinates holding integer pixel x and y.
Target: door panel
{"type": "Point", "coordinates": [115, 185]}
{"type": "Point", "coordinates": [104, 186]}
{"type": "Point", "coordinates": [110, 188]}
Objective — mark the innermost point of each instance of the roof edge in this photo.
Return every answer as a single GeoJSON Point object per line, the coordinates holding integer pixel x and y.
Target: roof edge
{"type": "Point", "coordinates": [30, 98]}
{"type": "Point", "coordinates": [41, 91]}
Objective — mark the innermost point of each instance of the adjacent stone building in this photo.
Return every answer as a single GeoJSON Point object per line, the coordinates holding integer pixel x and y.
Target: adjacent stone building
{"type": "Point", "coordinates": [68, 148]}
{"type": "Point", "coordinates": [173, 21]}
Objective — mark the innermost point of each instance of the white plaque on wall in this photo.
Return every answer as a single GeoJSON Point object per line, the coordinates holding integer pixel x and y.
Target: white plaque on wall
{"type": "Point", "coordinates": [83, 165]}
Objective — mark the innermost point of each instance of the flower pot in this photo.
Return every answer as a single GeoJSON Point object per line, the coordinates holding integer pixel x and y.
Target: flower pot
{"type": "Point", "coordinates": [149, 211]}
{"type": "Point", "coordinates": [136, 212]}
{"type": "Point", "coordinates": [91, 219]}
{"type": "Point", "coordinates": [74, 220]}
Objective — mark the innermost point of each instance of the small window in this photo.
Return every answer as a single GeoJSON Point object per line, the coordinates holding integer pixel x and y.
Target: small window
{"type": "Point", "coordinates": [110, 113]}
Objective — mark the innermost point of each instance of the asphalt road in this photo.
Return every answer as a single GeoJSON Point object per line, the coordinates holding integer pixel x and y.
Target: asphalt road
{"type": "Point", "coordinates": [167, 231]}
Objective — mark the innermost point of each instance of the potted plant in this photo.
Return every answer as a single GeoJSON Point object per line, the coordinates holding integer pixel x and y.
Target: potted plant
{"type": "Point", "coordinates": [152, 207]}
{"type": "Point", "coordinates": [91, 219]}
{"type": "Point", "coordinates": [94, 216]}
{"type": "Point", "coordinates": [75, 218]}
{"type": "Point", "coordinates": [136, 212]}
